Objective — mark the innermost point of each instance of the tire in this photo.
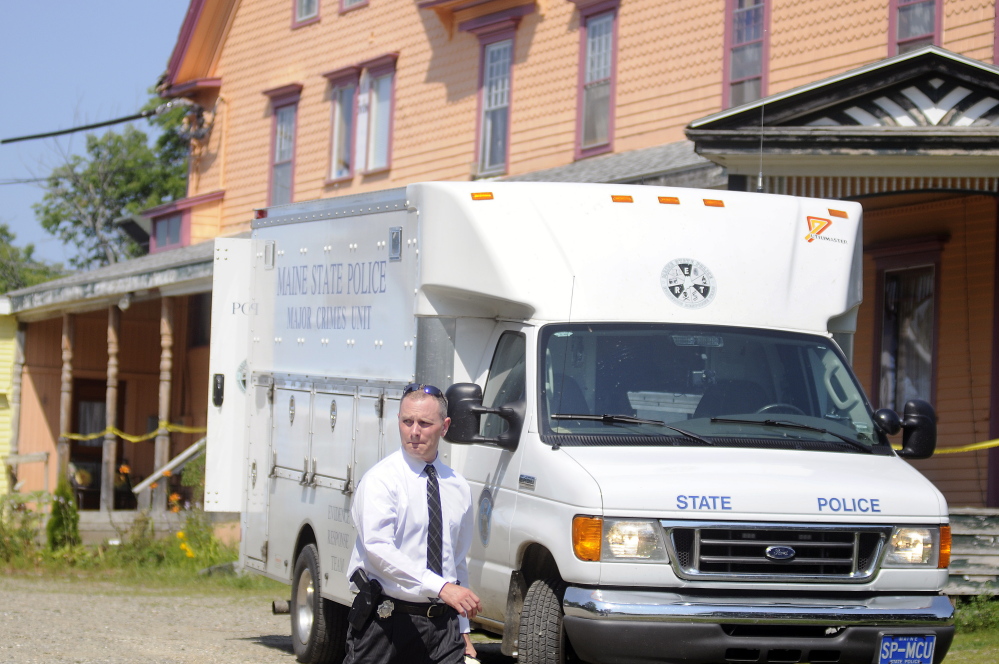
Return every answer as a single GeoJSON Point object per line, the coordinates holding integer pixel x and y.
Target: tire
{"type": "Point", "coordinates": [318, 626]}
{"type": "Point", "coordinates": [542, 634]}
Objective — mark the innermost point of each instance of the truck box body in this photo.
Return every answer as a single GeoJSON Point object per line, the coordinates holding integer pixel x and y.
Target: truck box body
{"type": "Point", "coordinates": [669, 442]}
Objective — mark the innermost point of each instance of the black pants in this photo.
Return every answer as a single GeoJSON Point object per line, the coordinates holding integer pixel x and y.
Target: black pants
{"type": "Point", "coordinates": [404, 638]}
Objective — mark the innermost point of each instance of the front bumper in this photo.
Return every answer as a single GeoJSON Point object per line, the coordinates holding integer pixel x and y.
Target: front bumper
{"type": "Point", "coordinates": [632, 626]}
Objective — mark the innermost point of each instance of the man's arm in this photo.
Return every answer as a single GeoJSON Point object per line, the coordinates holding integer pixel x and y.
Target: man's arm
{"type": "Point", "coordinates": [460, 597]}
{"type": "Point", "coordinates": [376, 524]}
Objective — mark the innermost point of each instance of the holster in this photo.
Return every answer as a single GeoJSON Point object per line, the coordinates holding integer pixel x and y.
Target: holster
{"type": "Point", "coordinates": [369, 591]}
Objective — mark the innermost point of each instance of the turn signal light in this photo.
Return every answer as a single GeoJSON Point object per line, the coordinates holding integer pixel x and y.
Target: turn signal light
{"type": "Point", "coordinates": [944, 560]}
{"type": "Point", "coordinates": [587, 532]}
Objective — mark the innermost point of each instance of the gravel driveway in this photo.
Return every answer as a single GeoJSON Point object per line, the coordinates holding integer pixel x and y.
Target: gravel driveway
{"type": "Point", "coordinates": [88, 622]}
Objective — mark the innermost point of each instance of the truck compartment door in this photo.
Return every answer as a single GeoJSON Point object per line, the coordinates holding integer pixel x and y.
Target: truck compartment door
{"type": "Point", "coordinates": [233, 310]}
{"type": "Point", "coordinates": [332, 435]}
{"type": "Point", "coordinates": [258, 470]}
{"type": "Point", "coordinates": [369, 441]}
{"type": "Point", "coordinates": [291, 434]}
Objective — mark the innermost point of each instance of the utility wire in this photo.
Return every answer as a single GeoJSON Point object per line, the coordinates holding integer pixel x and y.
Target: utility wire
{"type": "Point", "coordinates": [98, 125]}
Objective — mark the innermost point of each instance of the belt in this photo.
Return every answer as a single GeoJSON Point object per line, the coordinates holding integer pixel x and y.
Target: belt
{"type": "Point", "coordinates": [390, 605]}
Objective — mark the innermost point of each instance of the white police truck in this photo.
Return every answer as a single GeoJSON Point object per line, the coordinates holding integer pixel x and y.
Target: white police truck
{"type": "Point", "coordinates": [651, 398]}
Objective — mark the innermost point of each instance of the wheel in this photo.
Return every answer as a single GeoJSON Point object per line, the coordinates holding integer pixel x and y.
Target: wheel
{"type": "Point", "coordinates": [781, 409]}
{"type": "Point", "coordinates": [318, 626]}
{"type": "Point", "coordinates": [542, 634]}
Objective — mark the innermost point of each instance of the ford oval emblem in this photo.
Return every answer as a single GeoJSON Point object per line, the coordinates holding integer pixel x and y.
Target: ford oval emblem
{"type": "Point", "coordinates": [780, 553]}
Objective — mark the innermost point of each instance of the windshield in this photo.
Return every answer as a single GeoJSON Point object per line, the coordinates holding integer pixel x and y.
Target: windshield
{"type": "Point", "coordinates": [623, 384]}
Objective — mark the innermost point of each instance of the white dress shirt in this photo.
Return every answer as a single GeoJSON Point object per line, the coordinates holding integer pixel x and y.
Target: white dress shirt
{"type": "Point", "coordinates": [390, 514]}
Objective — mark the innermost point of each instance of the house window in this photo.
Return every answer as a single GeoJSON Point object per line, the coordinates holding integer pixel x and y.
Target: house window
{"type": "Point", "coordinates": [907, 283]}
{"type": "Point", "coordinates": [746, 52]}
{"type": "Point", "coordinates": [597, 85]}
{"type": "Point", "coordinates": [306, 11]}
{"type": "Point", "coordinates": [342, 150]}
{"type": "Point", "coordinates": [284, 154]}
{"type": "Point", "coordinates": [346, 5]}
{"type": "Point", "coordinates": [284, 107]}
{"type": "Point", "coordinates": [494, 127]}
{"type": "Point", "coordinates": [916, 24]}
{"type": "Point", "coordinates": [379, 134]}
{"type": "Point", "coordinates": [167, 231]}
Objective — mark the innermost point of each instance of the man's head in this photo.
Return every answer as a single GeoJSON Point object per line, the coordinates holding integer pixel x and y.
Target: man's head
{"type": "Point", "coordinates": [422, 421]}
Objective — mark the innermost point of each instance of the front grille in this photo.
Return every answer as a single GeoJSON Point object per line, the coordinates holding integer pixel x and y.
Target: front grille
{"type": "Point", "coordinates": [774, 552]}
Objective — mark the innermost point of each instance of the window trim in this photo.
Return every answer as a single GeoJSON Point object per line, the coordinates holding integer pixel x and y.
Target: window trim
{"type": "Point", "coordinates": [903, 255]}
{"type": "Point", "coordinates": [490, 29]}
{"type": "Point", "coordinates": [338, 80]}
{"type": "Point", "coordinates": [727, 82]}
{"type": "Point", "coordinates": [282, 97]}
{"type": "Point", "coordinates": [184, 234]}
{"type": "Point", "coordinates": [184, 207]}
{"type": "Point", "coordinates": [296, 23]}
{"type": "Point", "coordinates": [377, 68]}
{"type": "Point", "coordinates": [893, 8]}
{"type": "Point", "coordinates": [586, 12]}
{"type": "Point", "coordinates": [344, 9]}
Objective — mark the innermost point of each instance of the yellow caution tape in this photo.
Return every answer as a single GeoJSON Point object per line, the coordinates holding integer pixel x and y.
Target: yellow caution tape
{"type": "Point", "coordinates": [968, 448]}
{"type": "Point", "coordinates": [163, 427]}
{"type": "Point", "coordinates": [974, 447]}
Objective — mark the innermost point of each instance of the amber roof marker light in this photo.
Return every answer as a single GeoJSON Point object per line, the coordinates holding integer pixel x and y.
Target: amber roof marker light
{"type": "Point", "coordinates": [482, 195]}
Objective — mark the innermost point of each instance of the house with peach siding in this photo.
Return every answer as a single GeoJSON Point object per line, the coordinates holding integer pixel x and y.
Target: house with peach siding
{"type": "Point", "coordinates": [894, 104]}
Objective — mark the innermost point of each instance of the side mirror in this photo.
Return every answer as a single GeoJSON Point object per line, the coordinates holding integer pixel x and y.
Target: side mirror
{"type": "Point", "coordinates": [888, 421]}
{"type": "Point", "coordinates": [466, 410]}
{"type": "Point", "coordinates": [919, 430]}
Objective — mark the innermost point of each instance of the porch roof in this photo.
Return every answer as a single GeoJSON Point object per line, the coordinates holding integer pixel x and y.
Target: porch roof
{"type": "Point", "coordinates": [174, 272]}
{"type": "Point", "coordinates": [632, 167]}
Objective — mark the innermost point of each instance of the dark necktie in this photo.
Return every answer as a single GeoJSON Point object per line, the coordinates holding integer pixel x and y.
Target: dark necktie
{"type": "Point", "coordinates": [435, 530]}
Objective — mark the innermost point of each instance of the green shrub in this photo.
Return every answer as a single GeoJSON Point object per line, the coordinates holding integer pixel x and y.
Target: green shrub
{"type": "Point", "coordinates": [20, 525]}
{"type": "Point", "coordinates": [63, 528]}
{"type": "Point", "coordinates": [193, 476]}
{"type": "Point", "coordinates": [978, 613]}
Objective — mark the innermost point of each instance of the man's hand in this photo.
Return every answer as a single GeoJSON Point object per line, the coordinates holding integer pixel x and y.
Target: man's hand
{"type": "Point", "coordinates": [461, 599]}
{"type": "Point", "coordinates": [469, 648]}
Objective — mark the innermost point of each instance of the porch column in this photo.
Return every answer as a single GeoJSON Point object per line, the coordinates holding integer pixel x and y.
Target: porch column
{"type": "Point", "coordinates": [162, 451]}
{"type": "Point", "coordinates": [110, 451]}
{"type": "Point", "coordinates": [15, 389]}
{"type": "Point", "coordinates": [65, 396]}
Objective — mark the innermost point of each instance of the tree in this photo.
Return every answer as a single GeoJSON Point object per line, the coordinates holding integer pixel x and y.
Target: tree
{"type": "Point", "coordinates": [119, 174]}
{"type": "Point", "coordinates": [18, 267]}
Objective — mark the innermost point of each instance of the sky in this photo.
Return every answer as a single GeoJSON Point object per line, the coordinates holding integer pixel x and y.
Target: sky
{"type": "Point", "coordinates": [78, 62]}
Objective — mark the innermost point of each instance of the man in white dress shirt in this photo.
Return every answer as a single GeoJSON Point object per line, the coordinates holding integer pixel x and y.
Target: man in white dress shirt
{"type": "Point", "coordinates": [425, 604]}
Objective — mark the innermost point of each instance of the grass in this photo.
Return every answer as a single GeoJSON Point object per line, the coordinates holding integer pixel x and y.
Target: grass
{"type": "Point", "coordinates": [192, 561]}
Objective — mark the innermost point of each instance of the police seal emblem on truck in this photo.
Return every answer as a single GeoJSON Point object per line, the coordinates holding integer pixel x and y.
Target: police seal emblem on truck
{"type": "Point", "coordinates": [689, 282]}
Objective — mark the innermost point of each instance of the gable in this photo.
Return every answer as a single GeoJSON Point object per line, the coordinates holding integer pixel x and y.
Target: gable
{"type": "Point", "coordinates": [200, 41]}
{"type": "Point", "coordinates": [927, 112]}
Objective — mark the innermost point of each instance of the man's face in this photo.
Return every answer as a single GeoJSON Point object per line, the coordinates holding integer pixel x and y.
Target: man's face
{"type": "Point", "coordinates": [421, 427]}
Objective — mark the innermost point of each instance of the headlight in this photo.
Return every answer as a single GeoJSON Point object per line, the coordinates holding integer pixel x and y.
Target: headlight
{"type": "Point", "coordinates": [594, 538]}
{"type": "Point", "coordinates": [632, 540]}
{"type": "Point", "coordinates": [919, 547]}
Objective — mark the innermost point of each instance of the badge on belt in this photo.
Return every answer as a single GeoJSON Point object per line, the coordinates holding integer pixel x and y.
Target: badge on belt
{"type": "Point", "coordinates": [385, 609]}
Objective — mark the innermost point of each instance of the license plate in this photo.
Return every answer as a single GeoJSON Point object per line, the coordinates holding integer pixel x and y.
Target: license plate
{"type": "Point", "coordinates": [907, 649]}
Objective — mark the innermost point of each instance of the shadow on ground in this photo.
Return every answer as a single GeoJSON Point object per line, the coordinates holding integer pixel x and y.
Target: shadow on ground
{"type": "Point", "coordinates": [488, 651]}
{"type": "Point", "coordinates": [280, 642]}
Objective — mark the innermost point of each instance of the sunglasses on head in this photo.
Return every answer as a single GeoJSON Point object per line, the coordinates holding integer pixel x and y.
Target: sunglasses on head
{"type": "Point", "coordinates": [420, 387]}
